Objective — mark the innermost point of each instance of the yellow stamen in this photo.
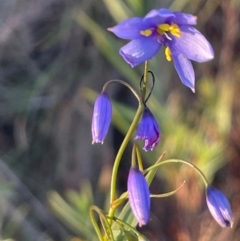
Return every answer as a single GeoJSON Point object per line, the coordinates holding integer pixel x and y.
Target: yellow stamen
{"type": "Point", "coordinates": [168, 54]}
{"type": "Point", "coordinates": [146, 32]}
{"type": "Point", "coordinates": [175, 30]}
{"type": "Point", "coordinates": [164, 27]}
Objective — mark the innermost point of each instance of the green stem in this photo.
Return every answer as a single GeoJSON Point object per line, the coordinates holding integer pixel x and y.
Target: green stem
{"type": "Point", "coordinates": [108, 231]}
{"type": "Point", "coordinates": [144, 87]}
{"type": "Point", "coordinates": [167, 194]}
{"type": "Point", "coordinates": [133, 160]}
{"type": "Point", "coordinates": [139, 158]}
{"type": "Point", "coordinates": [104, 223]}
{"type": "Point", "coordinates": [180, 161]}
{"type": "Point", "coordinates": [123, 83]}
{"type": "Point", "coordinates": [128, 136]}
{"type": "Point", "coordinates": [121, 150]}
{"type": "Point", "coordinates": [94, 222]}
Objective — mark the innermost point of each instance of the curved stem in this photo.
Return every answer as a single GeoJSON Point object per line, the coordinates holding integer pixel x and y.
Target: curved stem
{"type": "Point", "coordinates": [180, 161]}
{"type": "Point", "coordinates": [167, 194]}
{"type": "Point", "coordinates": [151, 90]}
{"type": "Point", "coordinates": [123, 83]}
{"type": "Point", "coordinates": [109, 230]}
{"type": "Point", "coordinates": [116, 203]}
{"type": "Point", "coordinates": [127, 137]}
{"type": "Point", "coordinates": [120, 153]}
{"type": "Point", "coordinates": [102, 218]}
{"type": "Point", "coordinates": [94, 222]}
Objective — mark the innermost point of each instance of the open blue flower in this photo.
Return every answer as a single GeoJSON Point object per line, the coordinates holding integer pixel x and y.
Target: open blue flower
{"type": "Point", "coordinates": [139, 196]}
{"type": "Point", "coordinates": [165, 28]}
{"type": "Point", "coordinates": [148, 130]}
{"type": "Point", "coordinates": [219, 207]}
{"type": "Point", "coordinates": [102, 115]}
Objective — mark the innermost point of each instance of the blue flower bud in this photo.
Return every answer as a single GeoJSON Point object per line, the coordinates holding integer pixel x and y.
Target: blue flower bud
{"type": "Point", "coordinates": [148, 130]}
{"type": "Point", "coordinates": [102, 115]}
{"type": "Point", "coordinates": [219, 207]}
{"type": "Point", "coordinates": [139, 196]}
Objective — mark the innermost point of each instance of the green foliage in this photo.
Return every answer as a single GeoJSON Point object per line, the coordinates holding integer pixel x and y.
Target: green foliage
{"type": "Point", "coordinates": [74, 213]}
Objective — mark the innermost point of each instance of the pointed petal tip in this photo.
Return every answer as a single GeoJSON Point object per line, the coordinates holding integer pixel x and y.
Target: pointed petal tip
{"type": "Point", "coordinates": [132, 64]}
{"type": "Point", "coordinates": [184, 69]}
{"type": "Point", "coordinates": [210, 56]}
{"type": "Point", "coordinates": [110, 29]}
{"type": "Point", "coordinates": [142, 223]}
{"type": "Point", "coordinates": [97, 141]}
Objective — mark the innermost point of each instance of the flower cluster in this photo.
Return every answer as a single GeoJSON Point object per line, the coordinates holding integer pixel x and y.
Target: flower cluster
{"type": "Point", "coordinates": [182, 42]}
{"type": "Point", "coordinates": [174, 31]}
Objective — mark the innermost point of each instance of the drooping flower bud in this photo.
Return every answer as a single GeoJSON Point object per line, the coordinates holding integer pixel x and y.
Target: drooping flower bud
{"type": "Point", "coordinates": [139, 196]}
{"type": "Point", "coordinates": [219, 207]}
{"type": "Point", "coordinates": [102, 115]}
{"type": "Point", "coordinates": [148, 130]}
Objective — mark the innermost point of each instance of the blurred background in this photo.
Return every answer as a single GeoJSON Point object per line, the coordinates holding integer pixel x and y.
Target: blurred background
{"type": "Point", "coordinates": [55, 56]}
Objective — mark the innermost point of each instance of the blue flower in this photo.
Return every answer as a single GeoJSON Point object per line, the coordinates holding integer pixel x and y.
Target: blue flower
{"type": "Point", "coordinates": [219, 207]}
{"type": "Point", "coordinates": [102, 115]}
{"type": "Point", "coordinates": [139, 196]}
{"type": "Point", "coordinates": [148, 130]}
{"type": "Point", "coordinates": [172, 30]}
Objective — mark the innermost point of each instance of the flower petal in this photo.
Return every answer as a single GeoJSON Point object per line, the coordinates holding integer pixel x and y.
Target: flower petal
{"type": "Point", "coordinates": [130, 28]}
{"type": "Point", "coordinates": [156, 17]}
{"type": "Point", "coordinates": [185, 19]}
{"type": "Point", "coordinates": [219, 207]}
{"type": "Point", "coordinates": [184, 69]}
{"type": "Point", "coordinates": [193, 45]}
{"type": "Point", "coordinates": [140, 50]}
{"type": "Point", "coordinates": [148, 130]}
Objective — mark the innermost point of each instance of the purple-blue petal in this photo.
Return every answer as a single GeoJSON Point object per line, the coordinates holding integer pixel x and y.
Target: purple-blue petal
{"type": "Point", "coordinates": [184, 69]}
{"type": "Point", "coordinates": [148, 130]}
{"type": "Point", "coordinates": [184, 18]}
{"type": "Point", "coordinates": [193, 45]}
{"type": "Point", "coordinates": [102, 115]}
{"type": "Point", "coordinates": [130, 28]}
{"type": "Point", "coordinates": [156, 17]}
{"type": "Point", "coordinates": [140, 50]}
{"type": "Point", "coordinates": [219, 207]}
{"type": "Point", "coordinates": [139, 196]}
